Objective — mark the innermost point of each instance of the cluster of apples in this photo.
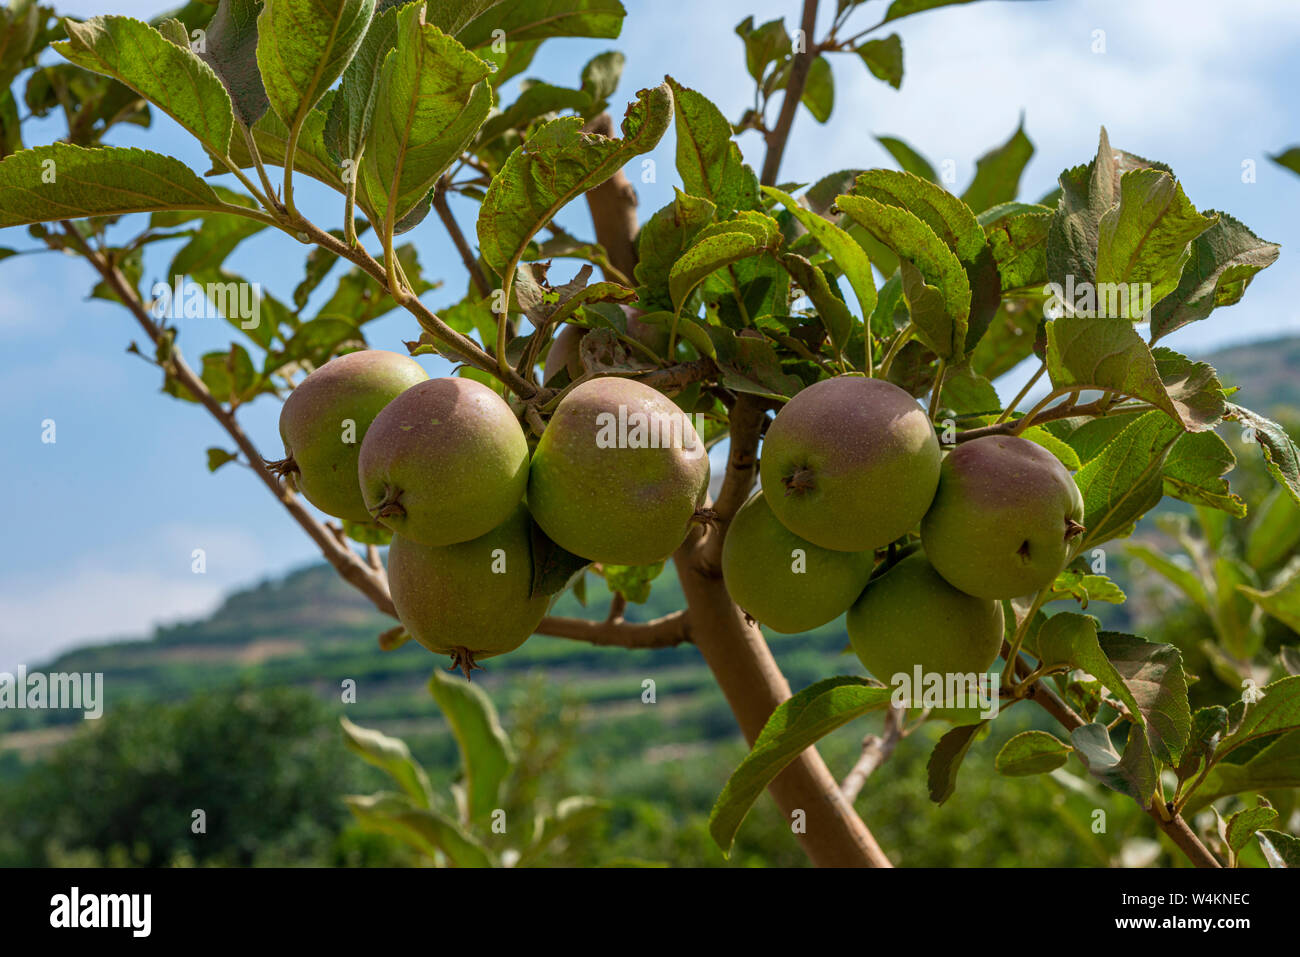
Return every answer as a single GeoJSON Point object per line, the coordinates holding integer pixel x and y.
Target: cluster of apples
{"type": "Point", "coordinates": [445, 466]}
{"type": "Point", "coordinates": [851, 465]}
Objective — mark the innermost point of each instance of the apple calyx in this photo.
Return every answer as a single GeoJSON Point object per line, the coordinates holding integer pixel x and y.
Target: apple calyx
{"type": "Point", "coordinates": [800, 482]}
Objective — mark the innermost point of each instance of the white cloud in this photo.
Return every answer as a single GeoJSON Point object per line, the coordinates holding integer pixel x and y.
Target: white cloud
{"type": "Point", "coordinates": [122, 592]}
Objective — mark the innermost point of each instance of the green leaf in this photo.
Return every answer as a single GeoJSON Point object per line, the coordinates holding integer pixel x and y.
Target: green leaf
{"type": "Point", "coordinates": [60, 181]}
{"type": "Point", "coordinates": [903, 8]}
{"type": "Point", "coordinates": [485, 752]}
{"type": "Point", "coordinates": [632, 581]}
{"type": "Point", "coordinates": [1125, 480]}
{"type": "Point", "coordinates": [215, 239]}
{"type": "Point", "coordinates": [1061, 449]}
{"type": "Point", "coordinates": [1031, 752]}
{"type": "Point", "coordinates": [937, 289]}
{"type": "Point", "coordinates": [1223, 261]}
{"type": "Point", "coordinates": [527, 20]}
{"type": "Point", "coordinates": [794, 726]}
{"type": "Point", "coordinates": [728, 243]}
{"type": "Point", "coordinates": [303, 46]}
{"type": "Point", "coordinates": [1277, 710]}
{"type": "Point", "coordinates": [840, 246]}
{"type": "Point", "coordinates": [538, 100]}
{"type": "Point", "coordinates": [1153, 673]}
{"type": "Point", "coordinates": [834, 315]}
{"type": "Point", "coordinates": [390, 755]}
{"type": "Point", "coordinates": [663, 239]}
{"type": "Point", "coordinates": [1083, 588]}
{"type": "Point", "coordinates": [422, 827]}
{"type": "Point", "coordinates": [1280, 849]}
{"type": "Point", "coordinates": [311, 157]}
{"type": "Point", "coordinates": [1090, 353]}
{"type": "Point", "coordinates": [170, 76]}
{"type": "Point", "coordinates": [1184, 579]}
{"type": "Point", "coordinates": [1280, 452]}
{"type": "Point", "coordinates": [748, 364]}
{"type": "Point", "coordinates": [997, 172]}
{"type": "Point", "coordinates": [946, 758]}
{"type": "Point", "coordinates": [1070, 639]}
{"type": "Point", "coordinates": [219, 457]}
{"type": "Point", "coordinates": [1017, 236]}
{"type": "Point", "coordinates": [1132, 774]}
{"type": "Point", "coordinates": [1243, 825]}
{"type": "Point", "coordinates": [708, 159]}
{"type": "Point", "coordinates": [907, 158]}
{"type": "Point", "coordinates": [819, 90]}
{"type": "Point", "coordinates": [1193, 387]}
{"type": "Point", "coordinates": [1275, 766]}
{"type": "Point", "coordinates": [1194, 473]}
{"type": "Point", "coordinates": [557, 164]}
{"type": "Point", "coordinates": [431, 100]}
{"type": "Point", "coordinates": [966, 393]}
{"type": "Point", "coordinates": [1087, 193]}
{"type": "Point", "coordinates": [230, 48]}
{"type": "Point", "coordinates": [1282, 601]}
{"type": "Point", "coordinates": [353, 107]}
{"type": "Point", "coordinates": [764, 45]}
{"type": "Point", "coordinates": [884, 58]}
{"type": "Point", "coordinates": [1208, 727]}
{"type": "Point", "coordinates": [553, 566]}
{"type": "Point", "coordinates": [600, 78]}
{"type": "Point", "coordinates": [1143, 241]}
{"type": "Point", "coordinates": [1275, 532]}
{"type": "Point", "coordinates": [570, 814]}
{"type": "Point", "coordinates": [1288, 159]}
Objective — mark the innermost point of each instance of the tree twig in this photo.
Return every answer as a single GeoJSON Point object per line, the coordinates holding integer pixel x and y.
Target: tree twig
{"type": "Point", "coordinates": [665, 632]}
{"type": "Point", "coordinates": [876, 750]}
{"type": "Point", "coordinates": [467, 255]}
{"type": "Point", "coordinates": [780, 133]}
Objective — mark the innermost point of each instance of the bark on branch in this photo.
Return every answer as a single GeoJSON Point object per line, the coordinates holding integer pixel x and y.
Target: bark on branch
{"type": "Point", "coordinates": [876, 750]}
{"type": "Point", "coordinates": [613, 210]}
{"type": "Point", "coordinates": [780, 133]}
{"type": "Point", "coordinates": [665, 632]}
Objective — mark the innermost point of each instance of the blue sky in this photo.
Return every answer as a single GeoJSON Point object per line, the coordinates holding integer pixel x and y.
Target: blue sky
{"type": "Point", "coordinates": [102, 523]}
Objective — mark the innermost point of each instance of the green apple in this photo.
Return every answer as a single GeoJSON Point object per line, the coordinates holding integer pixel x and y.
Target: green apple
{"type": "Point", "coordinates": [786, 583]}
{"type": "Point", "coordinates": [471, 600]}
{"type": "Point", "coordinates": [618, 473]}
{"type": "Point", "coordinates": [850, 463]}
{"type": "Point", "coordinates": [445, 462]}
{"type": "Point", "coordinates": [1004, 518]}
{"type": "Point", "coordinates": [325, 419]}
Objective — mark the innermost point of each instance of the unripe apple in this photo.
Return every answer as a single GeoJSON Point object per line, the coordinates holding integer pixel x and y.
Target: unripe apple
{"type": "Point", "coordinates": [850, 464]}
{"type": "Point", "coordinates": [445, 462]}
{"type": "Point", "coordinates": [325, 419]}
{"type": "Point", "coordinates": [909, 617]}
{"type": "Point", "coordinates": [786, 583]}
{"type": "Point", "coordinates": [1003, 519]}
{"type": "Point", "coordinates": [471, 600]}
{"type": "Point", "coordinates": [618, 474]}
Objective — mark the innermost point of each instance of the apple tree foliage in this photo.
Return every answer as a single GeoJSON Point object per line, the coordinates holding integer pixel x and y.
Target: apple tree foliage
{"type": "Point", "coordinates": [763, 288]}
